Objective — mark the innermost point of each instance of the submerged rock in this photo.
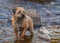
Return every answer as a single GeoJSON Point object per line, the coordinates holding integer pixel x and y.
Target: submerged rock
{"type": "Point", "coordinates": [33, 14]}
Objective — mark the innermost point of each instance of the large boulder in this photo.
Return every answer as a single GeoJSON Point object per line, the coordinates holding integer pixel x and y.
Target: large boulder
{"type": "Point", "coordinates": [33, 14]}
{"type": "Point", "coordinates": [51, 31]}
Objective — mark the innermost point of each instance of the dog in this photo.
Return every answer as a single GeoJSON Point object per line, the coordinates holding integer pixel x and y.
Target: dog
{"type": "Point", "coordinates": [22, 21]}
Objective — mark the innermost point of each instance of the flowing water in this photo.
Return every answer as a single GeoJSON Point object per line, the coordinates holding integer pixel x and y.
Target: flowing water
{"type": "Point", "coordinates": [49, 14]}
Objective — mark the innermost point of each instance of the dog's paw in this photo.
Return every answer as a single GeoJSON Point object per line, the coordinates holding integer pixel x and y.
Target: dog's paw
{"type": "Point", "coordinates": [21, 38]}
{"type": "Point", "coordinates": [15, 38]}
{"type": "Point", "coordinates": [32, 34]}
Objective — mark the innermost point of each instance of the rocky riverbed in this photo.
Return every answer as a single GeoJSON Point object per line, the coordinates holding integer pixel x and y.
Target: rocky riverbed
{"type": "Point", "coordinates": [49, 34]}
{"type": "Point", "coordinates": [46, 14]}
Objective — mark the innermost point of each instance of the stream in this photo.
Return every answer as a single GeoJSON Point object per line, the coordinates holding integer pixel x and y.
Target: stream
{"type": "Point", "coordinates": [49, 14]}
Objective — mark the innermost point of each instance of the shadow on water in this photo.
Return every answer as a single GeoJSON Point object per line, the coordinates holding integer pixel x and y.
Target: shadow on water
{"type": "Point", "coordinates": [28, 39]}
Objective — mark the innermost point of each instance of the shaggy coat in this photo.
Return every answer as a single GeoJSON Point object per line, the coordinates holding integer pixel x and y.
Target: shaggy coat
{"type": "Point", "coordinates": [22, 21]}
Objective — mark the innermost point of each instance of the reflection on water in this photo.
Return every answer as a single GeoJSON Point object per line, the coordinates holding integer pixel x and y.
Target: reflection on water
{"type": "Point", "coordinates": [27, 39]}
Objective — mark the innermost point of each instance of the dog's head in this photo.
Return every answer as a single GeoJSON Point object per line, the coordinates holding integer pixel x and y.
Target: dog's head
{"type": "Point", "coordinates": [19, 12]}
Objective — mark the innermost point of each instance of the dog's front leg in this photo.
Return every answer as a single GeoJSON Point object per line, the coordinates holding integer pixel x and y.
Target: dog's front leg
{"type": "Point", "coordinates": [23, 33]}
{"type": "Point", "coordinates": [16, 33]}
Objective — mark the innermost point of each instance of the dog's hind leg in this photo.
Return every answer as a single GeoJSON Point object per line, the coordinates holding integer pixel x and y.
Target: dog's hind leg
{"type": "Point", "coordinates": [31, 27]}
{"type": "Point", "coordinates": [32, 32]}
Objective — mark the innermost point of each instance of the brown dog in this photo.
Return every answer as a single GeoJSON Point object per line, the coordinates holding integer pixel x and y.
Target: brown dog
{"type": "Point", "coordinates": [22, 21]}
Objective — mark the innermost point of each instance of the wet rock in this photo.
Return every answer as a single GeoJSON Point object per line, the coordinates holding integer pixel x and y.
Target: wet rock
{"type": "Point", "coordinates": [2, 15]}
{"type": "Point", "coordinates": [54, 32]}
{"type": "Point", "coordinates": [49, 33]}
{"type": "Point", "coordinates": [1, 21]}
{"type": "Point", "coordinates": [33, 14]}
{"type": "Point", "coordinates": [1, 33]}
{"type": "Point", "coordinates": [43, 32]}
{"type": "Point", "coordinates": [7, 33]}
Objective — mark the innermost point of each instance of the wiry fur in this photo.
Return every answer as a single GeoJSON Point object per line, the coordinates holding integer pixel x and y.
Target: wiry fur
{"type": "Point", "coordinates": [22, 21]}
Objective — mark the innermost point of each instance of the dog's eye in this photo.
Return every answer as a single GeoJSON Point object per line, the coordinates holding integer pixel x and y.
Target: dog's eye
{"type": "Point", "coordinates": [23, 11]}
{"type": "Point", "coordinates": [19, 12]}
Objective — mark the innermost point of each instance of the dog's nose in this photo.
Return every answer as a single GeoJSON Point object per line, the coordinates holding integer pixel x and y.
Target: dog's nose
{"type": "Point", "coordinates": [22, 15]}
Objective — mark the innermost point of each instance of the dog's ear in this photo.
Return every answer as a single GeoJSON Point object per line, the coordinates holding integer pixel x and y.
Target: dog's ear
{"type": "Point", "coordinates": [14, 10]}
